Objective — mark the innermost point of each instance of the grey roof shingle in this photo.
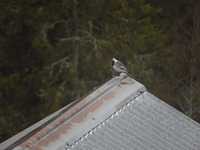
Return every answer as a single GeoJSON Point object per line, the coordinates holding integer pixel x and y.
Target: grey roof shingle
{"type": "Point", "coordinates": [144, 123]}
{"type": "Point", "coordinates": [120, 114]}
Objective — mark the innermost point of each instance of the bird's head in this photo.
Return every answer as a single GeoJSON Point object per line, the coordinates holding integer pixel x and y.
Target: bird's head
{"type": "Point", "coordinates": [114, 59]}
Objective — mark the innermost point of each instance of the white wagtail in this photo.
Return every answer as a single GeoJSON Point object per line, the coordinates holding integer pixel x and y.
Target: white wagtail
{"type": "Point", "coordinates": [118, 66]}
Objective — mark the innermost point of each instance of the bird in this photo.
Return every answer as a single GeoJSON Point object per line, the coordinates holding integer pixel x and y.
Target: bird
{"type": "Point", "coordinates": [118, 66]}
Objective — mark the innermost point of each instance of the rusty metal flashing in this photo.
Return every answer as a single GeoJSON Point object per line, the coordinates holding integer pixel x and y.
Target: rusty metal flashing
{"type": "Point", "coordinates": [71, 123]}
{"type": "Point", "coordinates": [27, 133]}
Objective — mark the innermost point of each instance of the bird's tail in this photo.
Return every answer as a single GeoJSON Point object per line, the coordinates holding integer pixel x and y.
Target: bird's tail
{"type": "Point", "coordinates": [128, 74]}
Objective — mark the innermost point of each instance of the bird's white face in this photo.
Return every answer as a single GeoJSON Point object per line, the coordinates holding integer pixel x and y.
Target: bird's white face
{"type": "Point", "coordinates": [114, 59]}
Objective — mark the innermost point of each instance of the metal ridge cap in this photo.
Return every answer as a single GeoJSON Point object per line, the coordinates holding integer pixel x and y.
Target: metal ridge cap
{"type": "Point", "coordinates": [15, 140]}
{"type": "Point", "coordinates": [107, 101]}
{"type": "Point", "coordinates": [76, 105]}
{"type": "Point", "coordinates": [60, 117]}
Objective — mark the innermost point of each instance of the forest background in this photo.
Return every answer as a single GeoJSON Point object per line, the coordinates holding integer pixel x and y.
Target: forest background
{"type": "Point", "coordinates": [53, 52]}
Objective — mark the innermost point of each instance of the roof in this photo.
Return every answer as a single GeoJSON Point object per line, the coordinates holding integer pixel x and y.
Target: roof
{"type": "Point", "coordinates": [120, 114]}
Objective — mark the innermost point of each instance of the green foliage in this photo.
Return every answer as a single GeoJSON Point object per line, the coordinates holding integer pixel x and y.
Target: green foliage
{"type": "Point", "coordinates": [53, 52]}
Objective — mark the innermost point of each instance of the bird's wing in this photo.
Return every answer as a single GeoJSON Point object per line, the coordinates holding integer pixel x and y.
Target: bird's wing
{"type": "Point", "coordinates": [121, 65]}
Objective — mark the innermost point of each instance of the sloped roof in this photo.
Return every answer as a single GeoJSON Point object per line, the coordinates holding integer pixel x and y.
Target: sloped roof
{"type": "Point", "coordinates": [120, 114]}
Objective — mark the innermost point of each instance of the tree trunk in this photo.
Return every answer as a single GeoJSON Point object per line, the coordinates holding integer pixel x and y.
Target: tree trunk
{"type": "Point", "coordinates": [75, 42]}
